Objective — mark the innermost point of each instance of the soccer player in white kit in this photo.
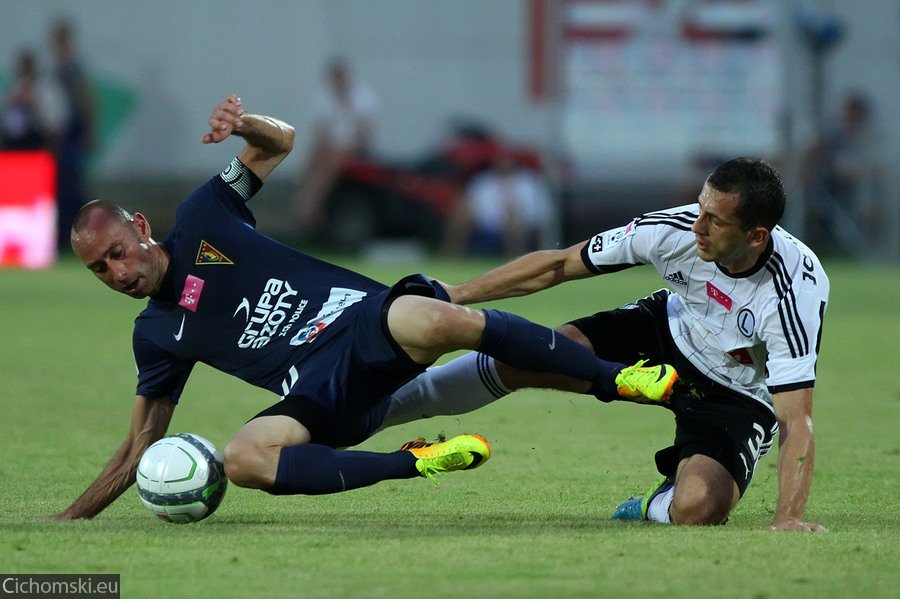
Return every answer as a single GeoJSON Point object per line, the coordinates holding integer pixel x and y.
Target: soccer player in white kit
{"type": "Point", "coordinates": [741, 321]}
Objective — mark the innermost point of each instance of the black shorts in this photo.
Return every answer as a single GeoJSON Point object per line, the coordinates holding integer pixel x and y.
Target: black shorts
{"type": "Point", "coordinates": [710, 419]}
{"type": "Point", "coordinates": [344, 388]}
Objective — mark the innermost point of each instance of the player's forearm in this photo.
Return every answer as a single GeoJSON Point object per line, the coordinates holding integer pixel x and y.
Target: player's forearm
{"type": "Point", "coordinates": [115, 479]}
{"type": "Point", "coordinates": [529, 274]}
{"type": "Point", "coordinates": [149, 422]}
{"type": "Point", "coordinates": [265, 133]}
{"type": "Point", "coordinates": [269, 141]}
{"type": "Point", "coordinates": [796, 459]}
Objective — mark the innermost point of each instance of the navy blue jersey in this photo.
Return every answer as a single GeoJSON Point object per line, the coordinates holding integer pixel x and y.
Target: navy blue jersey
{"type": "Point", "coordinates": [237, 300]}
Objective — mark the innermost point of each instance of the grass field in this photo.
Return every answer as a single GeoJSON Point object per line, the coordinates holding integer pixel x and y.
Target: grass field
{"type": "Point", "coordinates": [533, 522]}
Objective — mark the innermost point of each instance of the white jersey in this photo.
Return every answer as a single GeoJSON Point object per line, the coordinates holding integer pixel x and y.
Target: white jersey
{"type": "Point", "coordinates": [757, 332]}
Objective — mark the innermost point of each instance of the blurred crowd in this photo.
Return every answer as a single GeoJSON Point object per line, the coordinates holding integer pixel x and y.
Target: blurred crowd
{"type": "Point", "coordinates": [477, 193]}
{"type": "Point", "coordinates": [52, 109]}
{"type": "Point", "coordinates": [483, 195]}
{"type": "Point", "coordinates": [844, 175]}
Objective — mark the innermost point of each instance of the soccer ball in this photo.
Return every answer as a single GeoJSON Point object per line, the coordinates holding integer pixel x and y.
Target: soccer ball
{"type": "Point", "coordinates": [181, 478]}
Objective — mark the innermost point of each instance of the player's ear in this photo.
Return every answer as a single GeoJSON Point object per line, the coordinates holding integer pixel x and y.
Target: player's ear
{"type": "Point", "coordinates": [141, 225]}
{"type": "Point", "coordinates": [759, 236]}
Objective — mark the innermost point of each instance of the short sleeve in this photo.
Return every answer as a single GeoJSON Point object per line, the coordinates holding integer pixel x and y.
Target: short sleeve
{"type": "Point", "coordinates": [160, 374]}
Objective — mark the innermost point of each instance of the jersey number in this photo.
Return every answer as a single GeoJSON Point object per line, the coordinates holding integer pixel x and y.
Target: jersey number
{"type": "Point", "coordinates": [808, 265]}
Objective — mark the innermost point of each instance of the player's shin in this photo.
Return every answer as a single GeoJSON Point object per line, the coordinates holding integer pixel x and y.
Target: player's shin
{"type": "Point", "coordinates": [311, 469]}
{"type": "Point", "coordinates": [535, 348]}
{"type": "Point", "coordinates": [462, 385]}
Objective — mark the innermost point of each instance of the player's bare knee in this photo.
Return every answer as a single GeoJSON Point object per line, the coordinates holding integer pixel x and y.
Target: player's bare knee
{"type": "Point", "coordinates": [698, 516]}
{"type": "Point", "coordinates": [456, 326]}
{"type": "Point", "coordinates": [450, 326]}
{"type": "Point", "coordinates": [427, 328]}
{"type": "Point", "coordinates": [248, 465]}
{"type": "Point", "coordinates": [699, 509]}
{"type": "Point", "coordinates": [573, 333]}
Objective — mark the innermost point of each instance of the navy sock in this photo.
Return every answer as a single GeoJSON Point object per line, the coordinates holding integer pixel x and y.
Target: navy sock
{"type": "Point", "coordinates": [535, 348]}
{"type": "Point", "coordinates": [311, 469]}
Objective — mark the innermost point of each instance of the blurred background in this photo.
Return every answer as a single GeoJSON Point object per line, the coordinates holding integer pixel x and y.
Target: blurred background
{"type": "Point", "coordinates": [462, 128]}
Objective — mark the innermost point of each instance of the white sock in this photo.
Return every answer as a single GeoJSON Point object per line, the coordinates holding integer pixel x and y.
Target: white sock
{"type": "Point", "coordinates": [459, 386]}
{"type": "Point", "coordinates": [658, 510]}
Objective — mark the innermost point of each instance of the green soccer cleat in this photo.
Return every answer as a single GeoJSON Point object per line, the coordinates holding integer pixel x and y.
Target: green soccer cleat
{"type": "Point", "coordinates": [641, 382]}
{"type": "Point", "coordinates": [636, 509]}
{"type": "Point", "coordinates": [464, 452]}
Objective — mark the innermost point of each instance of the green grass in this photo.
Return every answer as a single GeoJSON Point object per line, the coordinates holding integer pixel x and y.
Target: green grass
{"type": "Point", "coordinates": [534, 522]}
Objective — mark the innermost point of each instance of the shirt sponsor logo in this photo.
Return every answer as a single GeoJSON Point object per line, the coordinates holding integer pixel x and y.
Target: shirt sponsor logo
{"type": "Point", "coordinates": [190, 295]}
{"type": "Point", "coordinates": [308, 333]}
{"type": "Point", "coordinates": [718, 295]}
{"type": "Point", "coordinates": [267, 319]}
{"type": "Point", "coordinates": [207, 254]}
{"type": "Point", "coordinates": [339, 300]}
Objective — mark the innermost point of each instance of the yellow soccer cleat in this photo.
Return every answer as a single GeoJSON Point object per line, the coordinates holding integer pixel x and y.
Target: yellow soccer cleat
{"type": "Point", "coordinates": [646, 382]}
{"type": "Point", "coordinates": [464, 452]}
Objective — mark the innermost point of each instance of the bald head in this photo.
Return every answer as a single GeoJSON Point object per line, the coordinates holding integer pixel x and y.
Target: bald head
{"type": "Point", "coordinates": [105, 207]}
{"type": "Point", "coordinates": [95, 216]}
{"type": "Point", "coordinates": [116, 246]}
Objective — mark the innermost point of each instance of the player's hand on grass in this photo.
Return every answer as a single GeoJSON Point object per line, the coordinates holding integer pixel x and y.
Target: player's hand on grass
{"type": "Point", "coordinates": [225, 119]}
{"type": "Point", "coordinates": [794, 524]}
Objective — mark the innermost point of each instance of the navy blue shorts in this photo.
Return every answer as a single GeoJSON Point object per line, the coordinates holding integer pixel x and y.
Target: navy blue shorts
{"type": "Point", "coordinates": [710, 419]}
{"type": "Point", "coordinates": [344, 387]}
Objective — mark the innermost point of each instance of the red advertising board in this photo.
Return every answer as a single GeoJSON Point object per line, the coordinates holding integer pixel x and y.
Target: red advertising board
{"type": "Point", "coordinates": [27, 209]}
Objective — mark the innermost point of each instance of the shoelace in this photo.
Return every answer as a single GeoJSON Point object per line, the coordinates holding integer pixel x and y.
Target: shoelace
{"type": "Point", "coordinates": [431, 469]}
{"type": "Point", "coordinates": [627, 372]}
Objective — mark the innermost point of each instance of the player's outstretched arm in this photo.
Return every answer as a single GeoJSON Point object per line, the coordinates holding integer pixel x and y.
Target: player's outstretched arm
{"type": "Point", "coordinates": [796, 452]}
{"type": "Point", "coordinates": [531, 273]}
{"type": "Point", "coordinates": [269, 140]}
{"type": "Point", "coordinates": [149, 422]}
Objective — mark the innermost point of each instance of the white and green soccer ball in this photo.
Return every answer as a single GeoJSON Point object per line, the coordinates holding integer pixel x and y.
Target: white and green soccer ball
{"type": "Point", "coordinates": [181, 478]}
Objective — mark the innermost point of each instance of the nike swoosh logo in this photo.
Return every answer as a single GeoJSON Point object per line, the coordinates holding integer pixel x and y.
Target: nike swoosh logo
{"type": "Point", "coordinates": [180, 330]}
{"type": "Point", "coordinates": [552, 339]}
{"type": "Point", "coordinates": [244, 305]}
{"type": "Point", "coordinates": [476, 459]}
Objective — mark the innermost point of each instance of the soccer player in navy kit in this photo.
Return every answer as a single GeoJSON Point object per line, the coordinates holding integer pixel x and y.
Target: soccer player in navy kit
{"type": "Point", "coordinates": [741, 322]}
{"type": "Point", "coordinates": [333, 343]}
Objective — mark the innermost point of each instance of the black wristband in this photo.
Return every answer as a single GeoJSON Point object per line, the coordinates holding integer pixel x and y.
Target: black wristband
{"type": "Point", "coordinates": [241, 179]}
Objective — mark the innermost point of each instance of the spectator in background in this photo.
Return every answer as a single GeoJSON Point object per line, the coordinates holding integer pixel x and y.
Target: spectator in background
{"type": "Point", "coordinates": [343, 129]}
{"type": "Point", "coordinates": [31, 114]}
{"type": "Point", "coordinates": [76, 138]}
{"type": "Point", "coordinates": [841, 172]}
{"type": "Point", "coordinates": [502, 213]}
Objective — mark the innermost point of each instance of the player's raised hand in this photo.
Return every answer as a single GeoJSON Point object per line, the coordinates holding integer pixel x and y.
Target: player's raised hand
{"type": "Point", "coordinates": [225, 119]}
